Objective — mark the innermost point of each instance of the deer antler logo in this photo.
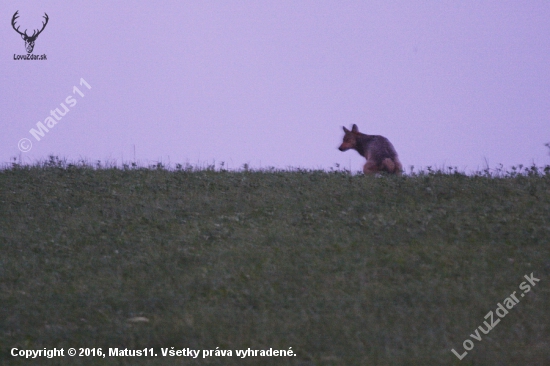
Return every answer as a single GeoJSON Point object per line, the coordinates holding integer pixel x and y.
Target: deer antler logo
{"type": "Point", "coordinates": [29, 40]}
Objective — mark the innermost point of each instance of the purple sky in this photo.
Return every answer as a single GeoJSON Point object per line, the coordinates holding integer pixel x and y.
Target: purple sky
{"type": "Point", "coordinates": [271, 83]}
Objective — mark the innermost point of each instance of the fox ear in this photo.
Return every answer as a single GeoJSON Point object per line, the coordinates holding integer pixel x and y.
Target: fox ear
{"type": "Point", "coordinates": [354, 128]}
{"type": "Point", "coordinates": [345, 129]}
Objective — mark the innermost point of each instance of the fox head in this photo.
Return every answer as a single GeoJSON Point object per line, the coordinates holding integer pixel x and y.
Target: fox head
{"type": "Point", "coordinates": [350, 138]}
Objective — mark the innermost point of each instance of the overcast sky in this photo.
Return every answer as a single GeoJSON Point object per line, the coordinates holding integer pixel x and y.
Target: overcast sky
{"type": "Point", "coordinates": [271, 83]}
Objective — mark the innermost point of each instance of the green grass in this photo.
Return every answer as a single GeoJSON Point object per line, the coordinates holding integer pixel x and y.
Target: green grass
{"type": "Point", "coordinates": [346, 270]}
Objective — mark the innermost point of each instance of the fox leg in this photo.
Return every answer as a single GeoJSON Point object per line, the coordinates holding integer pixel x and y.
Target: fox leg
{"type": "Point", "coordinates": [370, 168]}
{"type": "Point", "coordinates": [392, 166]}
{"type": "Point", "coordinates": [388, 165]}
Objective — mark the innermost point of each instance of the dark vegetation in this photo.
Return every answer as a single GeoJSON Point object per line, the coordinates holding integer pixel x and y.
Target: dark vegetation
{"type": "Point", "coordinates": [345, 269]}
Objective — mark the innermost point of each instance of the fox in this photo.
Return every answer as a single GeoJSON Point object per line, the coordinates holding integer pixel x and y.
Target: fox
{"type": "Point", "coordinates": [378, 150]}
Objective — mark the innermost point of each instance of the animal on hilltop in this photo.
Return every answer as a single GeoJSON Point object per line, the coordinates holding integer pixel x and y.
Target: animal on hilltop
{"type": "Point", "coordinates": [378, 150]}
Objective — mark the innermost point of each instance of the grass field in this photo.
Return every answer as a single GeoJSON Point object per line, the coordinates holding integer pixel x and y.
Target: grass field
{"type": "Point", "coordinates": [343, 269]}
